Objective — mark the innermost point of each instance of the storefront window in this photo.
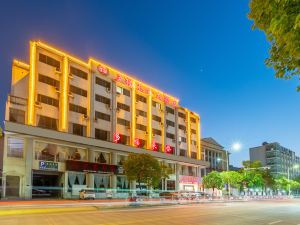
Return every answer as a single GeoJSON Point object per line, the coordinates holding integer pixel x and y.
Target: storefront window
{"type": "Point", "coordinates": [171, 185]}
{"type": "Point", "coordinates": [122, 183]}
{"type": "Point", "coordinates": [101, 182]}
{"type": "Point", "coordinates": [15, 147]}
{"type": "Point", "coordinates": [58, 153]}
{"type": "Point", "coordinates": [76, 179]}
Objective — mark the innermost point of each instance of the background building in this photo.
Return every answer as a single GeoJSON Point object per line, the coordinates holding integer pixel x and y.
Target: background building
{"type": "Point", "coordinates": [70, 124]}
{"type": "Point", "coordinates": [280, 159]}
{"type": "Point", "coordinates": [215, 154]}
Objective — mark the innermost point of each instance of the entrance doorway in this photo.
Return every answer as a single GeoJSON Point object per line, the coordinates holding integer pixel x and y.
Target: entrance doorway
{"type": "Point", "coordinates": [47, 184]}
{"type": "Point", "coordinates": [12, 186]}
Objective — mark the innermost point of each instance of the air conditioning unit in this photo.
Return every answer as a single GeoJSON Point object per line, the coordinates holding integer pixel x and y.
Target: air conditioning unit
{"type": "Point", "coordinates": [37, 103]}
{"type": "Point", "coordinates": [108, 107]}
{"type": "Point", "coordinates": [85, 116]}
{"type": "Point", "coordinates": [71, 95]}
{"type": "Point", "coordinates": [146, 132]}
{"type": "Point", "coordinates": [161, 123]}
{"type": "Point", "coordinates": [57, 89]}
{"type": "Point", "coordinates": [57, 71]}
{"type": "Point", "coordinates": [108, 90]}
{"type": "Point", "coordinates": [71, 76]}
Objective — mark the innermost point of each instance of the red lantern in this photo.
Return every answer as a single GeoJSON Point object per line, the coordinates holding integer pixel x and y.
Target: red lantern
{"type": "Point", "coordinates": [154, 146]}
{"type": "Point", "coordinates": [169, 149]}
{"type": "Point", "coordinates": [137, 142]}
{"type": "Point", "coordinates": [116, 137]}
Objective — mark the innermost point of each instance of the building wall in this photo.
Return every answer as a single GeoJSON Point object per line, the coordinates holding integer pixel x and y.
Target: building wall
{"type": "Point", "coordinates": [258, 153]}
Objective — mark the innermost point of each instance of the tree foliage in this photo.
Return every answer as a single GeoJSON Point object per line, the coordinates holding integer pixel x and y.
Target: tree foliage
{"type": "Point", "coordinates": [144, 168]}
{"type": "Point", "coordinates": [213, 180]}
{"type": "Point", "coordinates": [232, 178]}
{"type": "Point", "coordinates": [280, 21]}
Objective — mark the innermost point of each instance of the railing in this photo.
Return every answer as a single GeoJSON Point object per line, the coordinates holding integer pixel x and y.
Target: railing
{"type": "Point", "coordinates": [17, 100]}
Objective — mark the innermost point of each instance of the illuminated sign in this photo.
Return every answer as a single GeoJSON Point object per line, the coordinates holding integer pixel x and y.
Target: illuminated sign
{"type": "Point", "coordinates": [137, 142]}
{"type": "Point", "coordinates": [116, 137]}
{"type": "Point", "coordinates": [154, 146]}
{"type": "Point", "coordinates": [45, 165]}
{"type": "Point", "coordinates": [102, 69]}
{"type": "Point", "coordinates": [189, 179]}
{"type": "Point", "coordinates": [169, 149]}
{"type": "Point", "coordinates": [80, 166]}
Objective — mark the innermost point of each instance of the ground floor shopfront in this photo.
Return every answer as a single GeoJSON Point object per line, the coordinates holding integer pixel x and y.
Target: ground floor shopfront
{"type": "Point", "coordinates": [55, 165]}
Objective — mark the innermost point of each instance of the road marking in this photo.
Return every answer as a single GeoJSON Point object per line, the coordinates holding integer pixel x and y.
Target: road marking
{"type": "Point", "coordinates": [277, 221]}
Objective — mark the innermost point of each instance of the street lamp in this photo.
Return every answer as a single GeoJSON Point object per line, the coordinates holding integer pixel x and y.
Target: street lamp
{"type": "Point", "coordinates": [288, 173]}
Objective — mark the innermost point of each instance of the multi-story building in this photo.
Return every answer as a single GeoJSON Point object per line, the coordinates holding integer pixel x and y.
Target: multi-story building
{"type": "Point", "coordinates": [214, 154]}
{"type": "Point", "coordinates": [70, 124]}
{"type": "Point", "coordinates": [280, 160]}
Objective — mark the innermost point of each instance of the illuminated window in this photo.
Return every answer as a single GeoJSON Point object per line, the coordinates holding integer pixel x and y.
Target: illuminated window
{"type": "Point", "coordinates": [15, 147]}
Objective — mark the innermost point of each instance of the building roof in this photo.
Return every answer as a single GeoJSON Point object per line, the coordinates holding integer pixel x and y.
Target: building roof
{"type": "Point", "coordinates": [211, 141]}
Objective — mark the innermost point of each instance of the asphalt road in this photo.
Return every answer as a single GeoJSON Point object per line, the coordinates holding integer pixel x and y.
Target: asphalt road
{"type": "Point", "coordinates": [242, 213]}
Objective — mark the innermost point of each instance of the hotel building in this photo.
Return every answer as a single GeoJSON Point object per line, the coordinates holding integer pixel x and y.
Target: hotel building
{"type": "Point", "coordinates": [70, 124]}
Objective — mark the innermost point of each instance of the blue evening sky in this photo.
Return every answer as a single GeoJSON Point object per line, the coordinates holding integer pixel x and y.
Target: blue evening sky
{"type": "Point", "coordinates": [203, 52]}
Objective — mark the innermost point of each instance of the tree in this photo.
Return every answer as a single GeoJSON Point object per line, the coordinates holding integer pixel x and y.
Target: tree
{"type": "Point", "coordinates": [231, 178]}
{"type": "Point", "coordinates": [144, 168]}
{"type": "Point", "coordinates": [280, 21]}
{"type": "Point", "coordinates": [213, 180]}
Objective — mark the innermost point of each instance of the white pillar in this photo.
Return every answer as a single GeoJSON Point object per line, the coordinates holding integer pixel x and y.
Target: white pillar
{"type": "Point", "coordinates": [178, 168]}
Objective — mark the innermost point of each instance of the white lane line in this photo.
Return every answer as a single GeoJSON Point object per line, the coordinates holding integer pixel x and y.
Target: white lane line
{"type": "Point", "coordinates": [277, 221]}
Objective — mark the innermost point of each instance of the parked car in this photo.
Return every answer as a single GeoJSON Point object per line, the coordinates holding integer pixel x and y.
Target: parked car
{"type": "Point", "coordinates": [169, 195]}
{"type": "Point", "coordinates": [87, 194]}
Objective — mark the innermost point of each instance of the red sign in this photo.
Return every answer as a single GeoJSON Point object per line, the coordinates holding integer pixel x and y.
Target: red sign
{"type": "Point", "coordinates": [189, 179]}
{"type": "Point", "coordinates": [102, 69]}
{"type": "Point", "coordinates": [169, 149]}
{"type": "Point", "coordinates": [116, 137]}
{"type": "Point", "coordinates": [80, 166]}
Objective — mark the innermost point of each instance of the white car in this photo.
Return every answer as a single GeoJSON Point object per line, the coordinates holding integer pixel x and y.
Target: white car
{"type": "Point", "coordinates": [87, 194]}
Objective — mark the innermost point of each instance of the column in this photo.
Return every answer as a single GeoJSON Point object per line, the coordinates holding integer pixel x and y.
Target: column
{"type": "Point", "coordinates": [133, 113]}
{"type": "Point", "coordinates": [188, 133]}
{"type": "Point", "coordinates": [114, 176]}
{"type": "Point", "coordinates": [28, 168]}
{"type": "Point", "coordinates": [149, 122]}
{"type": "Point", "coordinates": [64, 96]}
{"type": "Point", "coordinates": [178, 169]}
{"type": "Point", "coordinates": [90, 176]}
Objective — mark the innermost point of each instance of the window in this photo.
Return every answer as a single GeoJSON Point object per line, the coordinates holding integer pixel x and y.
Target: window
{"type": "Point", "coordinates": [182, 139]}
{"type": "Point", "coordinates": [16, 115]}
{"type": "Point", "coordinates": [141, 113]}
{"type": "Point", "coordinates": [194, 155]}
{"type": "Point", "coordinates": [102, 99]}
{"type": "Point", "coordinates": [79, 73]}
{"type": "Point", "coordinates": [193, 131]}
{"type": "Point", "coordinates": [193, 142]}
{"type": "Point", "coordinates": [48, 80]}
{"type": "Point", "coordinates": [79, 129]}
{"type": "Point", "coordinates": [123, 122]}
{"type": "Point", "coordinates": [141, 127]}
{"type": "Point", "coordinates": [102, 134]}
{"type": "Point", "coordinates": [171, 185]}
{"type": "Point", "coordinates": [15, 147]}
{"type": "Point", "coordinates": [140, 98]}
{"type": "Point", "coordinates": [47, 100]}
{"type": "Point", "coordinates": [77, 108]}
{"type": "Point", "coordinates": [102, 116]}
{"type": "Point", "coordinates": [123, 91]}
{"type": "Point", "coordinates": [181, 115]}
{"type": "Point", "coordinates": [182, 152]}
{"type": "Point", "coordinates": [170, 110]}
{"type": "Point", "coordinates": [171, 136]}
{"type": "Point", "coordinates": [193, 120]}
{"type": "Point", "coordinates": [156, 132]}
{"type": "Point", "coordinates": [50, 61]}
{"type": "Point", "coordinates": [156, 118]}
{"type": "Point", "coordinates": [124, 140]}
{"type": "Point", "coordinates": [182, 127]}
{"type": "Point", "coordinates": [123, 106]}
{"type": "Point", "coordinates": [156, 105]}
{"type": "Point", "coordinates": [170, 123]}
{"type": "Point", "coordinates": [47, 122]}
{"type": "Point", "coordinates": [103, 83]}
{"type": "Point", "coordinates": [78, 91]}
